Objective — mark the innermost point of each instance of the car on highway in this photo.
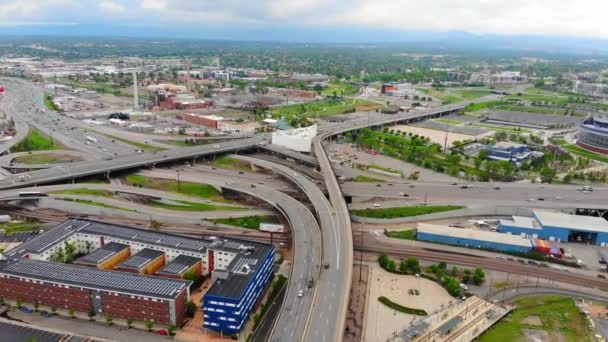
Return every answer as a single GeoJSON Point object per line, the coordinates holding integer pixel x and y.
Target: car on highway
{"type": "Point", "coordinates": [376, 205]}
{"type": "Point", "coordinates": [216, 146]}
{"type": "Point", "coordinates": [404, 194]}
{"type": "Point", "coordinates": [585, 188]}
{"type": "Point", "coordinates": [496, 188]}
{"type": "Point", "coordinates": [326, 266]}
{"type": "Point", "coordinates": [300, 293]}
{"type": "Point", "coordinates": [541, 198]}
{"type": "Point", "coordinates": [46, 314]}
{"type": "Point", "coordinates": [466, 186]}
{"type": "Point", "coordinates": [378, 185]}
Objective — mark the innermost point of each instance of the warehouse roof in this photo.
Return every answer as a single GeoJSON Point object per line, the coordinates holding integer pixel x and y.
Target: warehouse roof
{"type": "Point", "coordinates": [522, 222]}
{"type": "Point", "coordinates": [473, 234]}
{"type": "Point", "coordinates": [44, 241]}
{"type": "Point", "coordinates": [179, 265]}
{"type": "Point", "coordinates": [575, 222]}
{"type": "Point", "coordinates": [141, 259]}
{"type": "Point", "coordinates": [102, 254]}
{"type": "Point", "coordinates": [88, 277]}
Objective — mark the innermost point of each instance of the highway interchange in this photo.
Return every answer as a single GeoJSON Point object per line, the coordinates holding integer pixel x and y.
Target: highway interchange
{"type": "Point", "coordinates": [321, 314]}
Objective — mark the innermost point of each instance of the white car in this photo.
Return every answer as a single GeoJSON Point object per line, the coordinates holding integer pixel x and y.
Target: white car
{"type": "Point", "coordinates": [216, 146]}
{"type": "Point", "coordinates": [300, 293]}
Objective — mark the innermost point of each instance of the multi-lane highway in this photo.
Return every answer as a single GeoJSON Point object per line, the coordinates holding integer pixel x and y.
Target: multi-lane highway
{"type": "Point", "coordinates": [487, 194]}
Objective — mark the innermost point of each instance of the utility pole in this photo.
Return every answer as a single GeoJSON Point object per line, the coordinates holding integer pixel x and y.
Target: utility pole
{"type": "Point", "coordinates": [361, 255]}
{"type": "Point", "coordinates": [178, 182]}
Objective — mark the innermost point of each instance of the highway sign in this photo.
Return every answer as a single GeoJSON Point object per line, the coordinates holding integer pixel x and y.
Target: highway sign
{"type": "Point", "coordinates": [272, 228]}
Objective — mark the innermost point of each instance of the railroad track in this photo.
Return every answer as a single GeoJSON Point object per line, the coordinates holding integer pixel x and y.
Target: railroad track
{"type": "Point", "coordinates": [490, 264]}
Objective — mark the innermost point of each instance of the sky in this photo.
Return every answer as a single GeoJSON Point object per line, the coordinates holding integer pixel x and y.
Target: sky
{"type": "Point", "coordinates": [581, 18]}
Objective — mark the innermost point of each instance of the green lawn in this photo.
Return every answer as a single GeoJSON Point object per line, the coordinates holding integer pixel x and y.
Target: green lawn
{"type": "Point", "coordinates": [471, 94]}
{"type": "Point", "coordinates": [473, 107]}
{"type": "Point", "coordinates": [187, 188]}
{"type": "Point", "coordinates": [226, 162]}
{"type": "Point", "coordinates": [321, 108]}
{"type": "Point", "coordinates": [366, 179]}
{"type": "Point", "coordinates": [559, 141]}
{"type": "Point", "coordinates": [34, 141]}
{"type": "Point", "coordinates": [388, 213]}
{"type": "Point", "coordinates": [409, 234]}
{"type": "Point", "coordinates": [94, 203]}
{"type": "Point", "coordinates": [558, 315]}
{"type": "Point", "coordinates": [48, 102]}
{"type": "Point", "coordinates": [584, 153]}
{"type": "Point", "coordinates": [33, 159]}
{"type": "Point", "coordinates": [143, 146]}
{"type": "Point", "coordinates": [85, 192]}
{"type": "Point", "coordinates": [10, 228]}
{"type": "Point", "coordinates": [190, 206]}
{"type": "Point", "coordinates": [448, 121]}
{"type": "Point", "coordinates": [341, 88]}
{"type": "Point", "coordinates": [249, 222]}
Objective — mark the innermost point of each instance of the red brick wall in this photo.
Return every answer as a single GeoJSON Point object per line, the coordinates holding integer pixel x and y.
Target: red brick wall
{"type": "Point", "coordinates": [46, 294]}
{"type": "Point", "coordinates": [592, 148]}
{"type": "Point", "coordinates": [180, 306]}
{"type": "Point", "coordinates": [138, 309]}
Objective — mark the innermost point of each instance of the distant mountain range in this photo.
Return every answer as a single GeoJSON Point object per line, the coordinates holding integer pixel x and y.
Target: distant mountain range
{"type": "Point", "coordinates": [426, 41]}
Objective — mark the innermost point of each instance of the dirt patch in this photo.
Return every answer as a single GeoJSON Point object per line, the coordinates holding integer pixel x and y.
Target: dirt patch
{"type": "Point", "coordinates": [533, 335]}
{"type": "Point", "coordinates": [436, 136]}
{"type": "Point", "coordinates": [356, 305]}
{"type": "Point", "coordinates": [532, 320]}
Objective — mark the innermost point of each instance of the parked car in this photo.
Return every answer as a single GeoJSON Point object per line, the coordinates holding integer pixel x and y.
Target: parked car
{"type": "Point", "coordinates": [46, 314]}
{"type": "Point", "coordinates": [26, 310]}
{"type": "Point", "coordinates": [162, 332]}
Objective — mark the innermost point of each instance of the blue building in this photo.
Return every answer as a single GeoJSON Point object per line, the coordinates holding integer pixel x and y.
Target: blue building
{"type": "Point", "coordinates": [560, 227]}
{"type": "Point", "coordinates": [237, 288]}
{"type": "Point", "coordinates": [472, 238]}
{"type": "Point", "coordinates": [509, 151]}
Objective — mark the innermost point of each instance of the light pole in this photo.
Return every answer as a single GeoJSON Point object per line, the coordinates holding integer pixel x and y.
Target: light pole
{"type": "Point", "coordinates": [178, 182]}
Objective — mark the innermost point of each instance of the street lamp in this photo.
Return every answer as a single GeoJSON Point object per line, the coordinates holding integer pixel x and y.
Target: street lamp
{"type": "Point", "coordinates": [178, 182]}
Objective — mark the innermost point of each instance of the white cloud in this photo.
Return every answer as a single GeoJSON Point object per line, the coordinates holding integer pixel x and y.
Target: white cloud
{"type": "Point", "coordinates": [112, 7]}
{"type": "Point", "coordinates": [156, 5]}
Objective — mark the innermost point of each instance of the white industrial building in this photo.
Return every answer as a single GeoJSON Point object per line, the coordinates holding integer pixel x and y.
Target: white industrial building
{"type": "Point", "coordinates": [298, 139]}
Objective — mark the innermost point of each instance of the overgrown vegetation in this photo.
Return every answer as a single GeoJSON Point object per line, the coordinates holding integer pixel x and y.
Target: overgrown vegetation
{"type": "Point", "coordinates": [34, 141]}
{"type": "Point", "coordinates": [190, 206]}
{"type": "Point", "coordinates": [559, 318]}
{"type": "Point", "coordinates": [388, 213]}
{"type": "Point", "coordinates": [95, 203]}
{"type": "Point", "coordinates": [199, 190]}
{"type": "Point", "coordinates": [409, 234]}
{"type": "Point", "coordinates": [276, 287]}
{"type": "Point", "coordinates": [143, 146]}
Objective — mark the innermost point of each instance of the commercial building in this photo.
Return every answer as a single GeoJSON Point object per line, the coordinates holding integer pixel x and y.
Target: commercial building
{"type": "Point", "coordinates": [118, 281]}
{"type": "Point", "coordinates": [395, 89]}
{"type": "Point", "coordinates": [298, 139]}
{"type": "Point", "coordinates": [505, 77]}
{"type": "Point", "coordinates": [591, 89]}
{"type": "Point", "coordinates": [237, 289]}
{"type": "Point", "coordinates": [510, 151]}
{"type": "Point", "coordinates": [593, 134]}
{"type": "Point", "coordinates": [211, 121]}
{"type": "Point", "coordinates": [472, 238]}
{"type": "Point", "coordinates": [246, 128]}
{"type": "Point", "coordinates": [557, 226]}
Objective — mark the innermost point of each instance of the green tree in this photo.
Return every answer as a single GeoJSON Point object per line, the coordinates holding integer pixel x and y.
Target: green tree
{"type": "Point", "coordinates": [18, 303]}
{"type": "Point", "coordinates": [391, 266]}
{"type": "Point", "coordinates": [172, 328]}
{"type": "Point", "coordinates": [109, 320]}
{"type": "Point", "coordinates": [54, 309]}
{"type": "Point", "coordinates": [547, 175]}
{"type": "Point", "coordinates": [403, 266]}
{"type": "Point", "coordinates": [442, 265]}
{"type": "Point", "coordinates": [413, 264]}
{"type": "Point", "coordinates": [36, 305]}
{"type": "Point", "coordinates": [383, 260]}
{"type": "Point", "coordinates": [149, 325]}
{"type": "Point", "coordinates": [478, 276]}
{"type": "Point", "coordinates": [129, 322]}
{"type": "Point", "coordinates": [190, 308]}
{"type": "Point", "coordinates": [71, 313]}
{"type": "Point", "coordinates": [454, 271]}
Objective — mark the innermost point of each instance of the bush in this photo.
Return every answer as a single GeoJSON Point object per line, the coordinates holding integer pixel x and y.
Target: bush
{"type": "Point", "coordinates": [401, 308]}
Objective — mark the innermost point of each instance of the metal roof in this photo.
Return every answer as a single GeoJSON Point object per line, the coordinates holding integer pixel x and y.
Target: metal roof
{"type": "Point", "coordinates": [575, 222]}
{"type": "Point", "coordinates": [45, 240]}
{"type": "Point", "coordinates": [102, 254]}
{"type": "Point", "coordinates": [179, 265]}
{"type": "Point", "coordinates": [82, 276]}
{"type": "Point", "coordinates": [141, 259]}
{"type": "Point", "coordinates": [473, 234]}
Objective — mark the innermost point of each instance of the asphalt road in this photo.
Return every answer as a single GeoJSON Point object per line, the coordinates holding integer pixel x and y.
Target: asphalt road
{"type": "Point", "coordinates": [509, 194]}
{"type": "Point", "coordinates": [306, 248]}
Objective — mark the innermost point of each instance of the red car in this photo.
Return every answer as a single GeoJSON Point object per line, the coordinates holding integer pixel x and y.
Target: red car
{"type": "Point", "coordinates": [162, 332]}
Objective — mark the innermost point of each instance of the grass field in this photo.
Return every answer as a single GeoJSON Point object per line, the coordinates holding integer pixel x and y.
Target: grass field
{"type": "Point", "coordinates": [388, 213]}
{"type": "Point", "coordinates": [190, 206]}
{"type": "Point", "coordinates": [409, 234]}
{"type": "Point", "coordinates": [321, 108]}
{"type": "Point", "coordinates": [441, 95]}
{"type": "Point", "coordinates": [34, 141]}
{"type": "Point", "coordinates": [366, 179]}
{"type": "Point", "coordinates": [85, 192]}
{"type": "Point", "coordinates": [558, 141]}
{"type": "Point", "coordinates": [471, 94]}
{"type": "Point", "coordinates": [386, 169]}
{"type": "Point", "coordinates": [249, 222]}
{"type": "Point", "coordinates": [187, 188]}
{"type": "Point", "coordinates": [559, 318]}
{"type": "Point", "coordinates": [10, 228]}
{"type": "Point", "coordinates": [401, 308]}
{"type": "Point", "coordinates": [33, 159]}
{"type": "Point", "coordinates": [226, 162]}
{"type": "Point", "coordinates": [584, 153]}
{"type": "Point", "coordinates": [48, 102]}
{"type": "Point", "coordinates": [94, 203]}
{"type": "Point", "coordinates": [341, 88]}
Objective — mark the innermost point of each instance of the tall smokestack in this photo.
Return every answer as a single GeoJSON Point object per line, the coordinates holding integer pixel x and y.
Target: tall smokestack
{"type": "Point", "coordinates": [135, 91]}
